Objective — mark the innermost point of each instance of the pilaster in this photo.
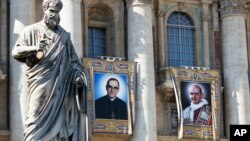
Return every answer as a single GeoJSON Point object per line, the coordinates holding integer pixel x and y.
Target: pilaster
{"type": "Point", "coordinates": [162, 51]}
{"type": "Point", "coordinates": [215, 16]}
{"type": "Point", "coordinates": [205, 18]}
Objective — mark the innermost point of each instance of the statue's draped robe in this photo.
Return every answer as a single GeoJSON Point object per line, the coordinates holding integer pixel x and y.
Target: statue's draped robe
{"type": "Point", "coordinates": [52, 112]}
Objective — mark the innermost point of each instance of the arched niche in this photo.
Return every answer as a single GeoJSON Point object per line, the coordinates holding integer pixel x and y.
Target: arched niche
{"type": "Point", "coordinates": [100, 13]}
{"type": "Point", "coordinates": [109, 15]}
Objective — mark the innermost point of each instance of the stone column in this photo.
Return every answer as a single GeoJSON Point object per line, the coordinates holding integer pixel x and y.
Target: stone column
{"type": "Point", "coordinates": [140, 50]}
{"type": "Point", "coordinates": [71, 21]}
{"type": "Point", "coordinates": [22, 13]}
{"type": "Point", "coordinates": [235, 63]}
{"type": "Point", "coordinates": [205, 19]}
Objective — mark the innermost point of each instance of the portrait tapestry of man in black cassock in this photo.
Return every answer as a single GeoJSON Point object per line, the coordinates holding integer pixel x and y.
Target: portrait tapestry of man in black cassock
{"type": "Point", "coordinates": [110, 106]}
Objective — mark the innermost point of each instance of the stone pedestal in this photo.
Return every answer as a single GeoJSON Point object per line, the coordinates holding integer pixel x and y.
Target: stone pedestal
{"type": "Point", "coordinates": [140, 50]}
{"type": "Point", "coordinates": [235, 63]}
{"type": "Point", "coordinates": [22, 13]}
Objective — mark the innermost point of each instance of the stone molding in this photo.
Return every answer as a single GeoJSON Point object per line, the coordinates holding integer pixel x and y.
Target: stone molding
{"type": "Point", "coordinates": [133, 2]}
{"type": "Point", "coordinates": [232, 7]}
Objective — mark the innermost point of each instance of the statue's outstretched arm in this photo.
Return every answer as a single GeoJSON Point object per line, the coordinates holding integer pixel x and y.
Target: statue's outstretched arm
{"type": "Point", "coordinates": [20, 51]}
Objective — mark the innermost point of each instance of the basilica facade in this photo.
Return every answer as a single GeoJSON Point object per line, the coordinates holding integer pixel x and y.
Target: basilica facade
{"type": "Point", "coordinates": [158, 35]}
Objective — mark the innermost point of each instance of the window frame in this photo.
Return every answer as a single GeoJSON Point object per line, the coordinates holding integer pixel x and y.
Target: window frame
{"type": "Point", "coordinates": [105, 36]}
{"type": "Point", "coordinates": [164, 43]}
{"type": "Point", "coordinates": [180, 28]}
{"type": "Point", "coordinates": [115, 34]}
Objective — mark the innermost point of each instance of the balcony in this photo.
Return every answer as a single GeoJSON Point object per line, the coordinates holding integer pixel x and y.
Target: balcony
{"type": "Point", "coordinates": [165, 85]}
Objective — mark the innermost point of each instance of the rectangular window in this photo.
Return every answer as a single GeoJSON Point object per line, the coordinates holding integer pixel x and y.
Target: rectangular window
{"type": "Point", "coordinates": [180, 37]}
{"type": "Point", "coordinates": [96, 42]}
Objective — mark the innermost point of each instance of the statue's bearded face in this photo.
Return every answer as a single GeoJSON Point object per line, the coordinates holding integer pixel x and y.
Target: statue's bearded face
{"type": "Point", "coordinates": [51, 16]}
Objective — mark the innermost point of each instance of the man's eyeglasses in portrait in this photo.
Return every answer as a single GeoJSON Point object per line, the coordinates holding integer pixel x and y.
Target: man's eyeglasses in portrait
{"type": "Point", "coordinates": [115, 88]}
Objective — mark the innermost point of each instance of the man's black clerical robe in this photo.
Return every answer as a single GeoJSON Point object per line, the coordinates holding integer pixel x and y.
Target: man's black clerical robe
{"type": "Point", "coordinates": [105, 108]}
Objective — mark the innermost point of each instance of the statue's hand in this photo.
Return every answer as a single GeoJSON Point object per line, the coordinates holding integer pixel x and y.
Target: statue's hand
{"type": "Point", "coordinates": [41, 49]}
{"type": "Point", "coordinates": [79, 81]}
{"type": "Point", "coordinates": [41, 45]}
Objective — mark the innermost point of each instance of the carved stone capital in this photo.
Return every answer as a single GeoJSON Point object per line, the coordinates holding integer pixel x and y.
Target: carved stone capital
{"type": "Point", "coordinates": [133, 2]}
{"type": "Point", "coordinates": [232, 7]}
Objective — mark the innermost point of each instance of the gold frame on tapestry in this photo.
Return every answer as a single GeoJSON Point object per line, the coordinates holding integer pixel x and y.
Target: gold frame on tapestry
{"type": "Point", "coordinates": [197, 75]}
{"type": "Point", "coordinates": [112, 126]}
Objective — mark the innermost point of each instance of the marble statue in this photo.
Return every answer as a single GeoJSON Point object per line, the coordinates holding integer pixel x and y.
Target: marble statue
{"type": "Point", "coordinates": [55, 80]}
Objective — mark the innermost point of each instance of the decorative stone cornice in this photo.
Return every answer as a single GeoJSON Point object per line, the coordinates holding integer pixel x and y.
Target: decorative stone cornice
{"type": "Point", "coordinates": [134, 2]}
{"type": "Point", "coordinates": [232, 7]}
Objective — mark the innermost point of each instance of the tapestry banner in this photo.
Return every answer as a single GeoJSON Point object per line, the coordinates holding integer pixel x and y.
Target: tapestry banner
{"type": "Point", "coordinates": [111, 92]}
{"type": "Point", "coordinates": [197, 92]}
